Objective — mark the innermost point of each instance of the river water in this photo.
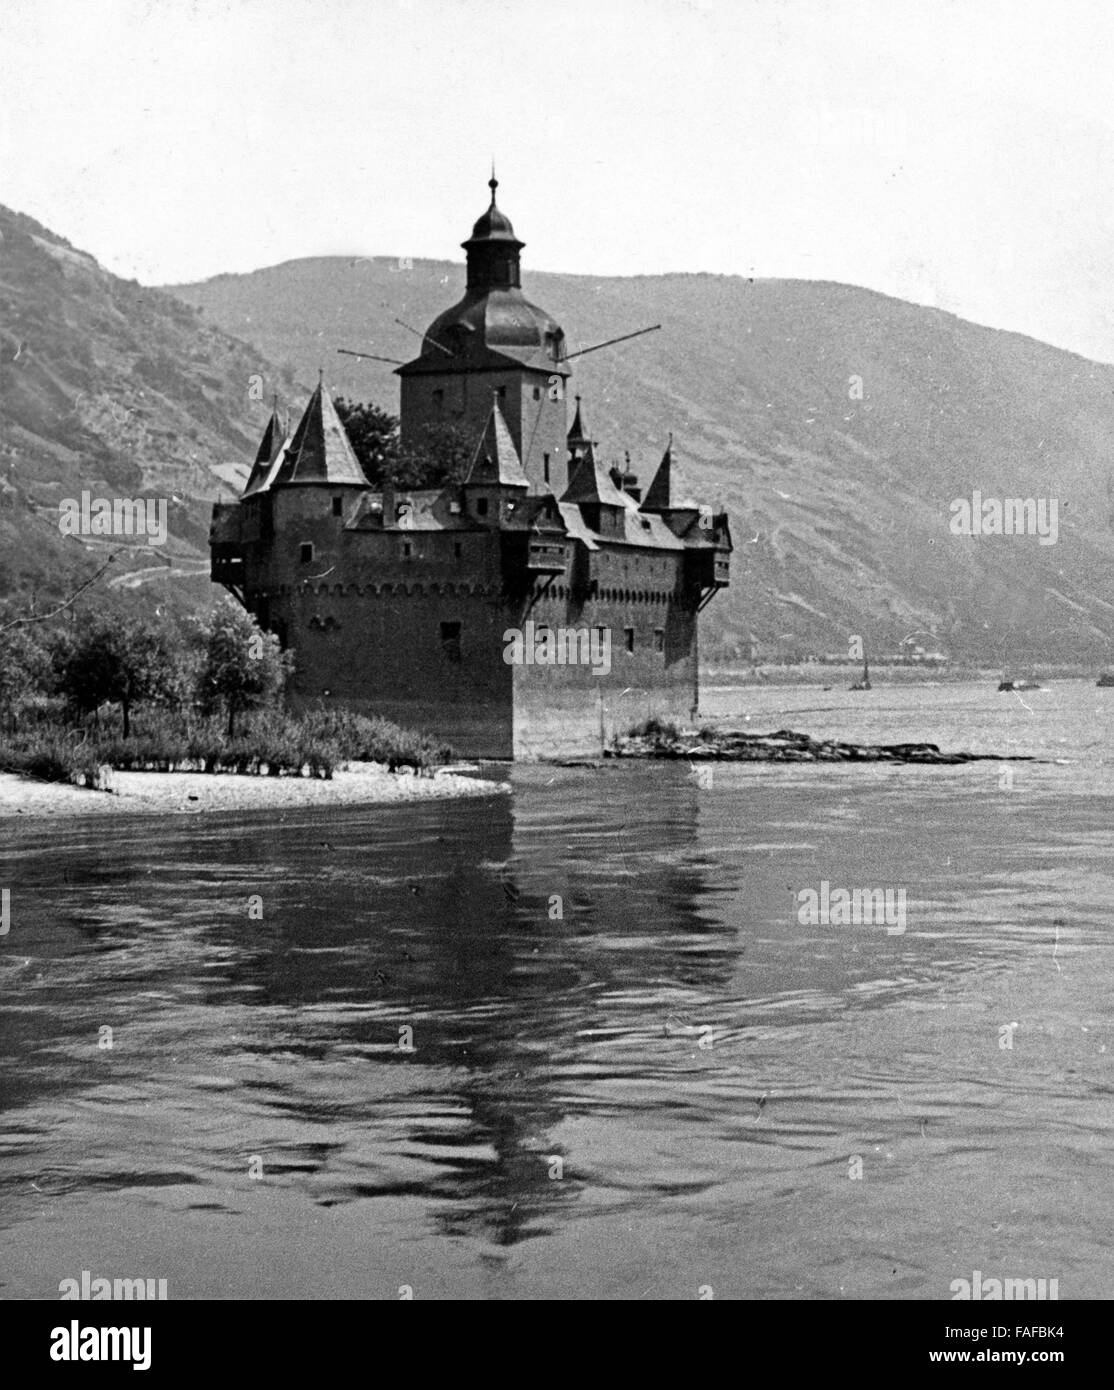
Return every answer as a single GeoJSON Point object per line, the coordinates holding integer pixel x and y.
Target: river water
{"type": "Point", "coordinates": [577, 1042]}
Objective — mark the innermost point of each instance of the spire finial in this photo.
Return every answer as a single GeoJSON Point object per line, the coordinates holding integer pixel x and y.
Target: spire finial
{"type": "Point", "coordinates": [493, 182]}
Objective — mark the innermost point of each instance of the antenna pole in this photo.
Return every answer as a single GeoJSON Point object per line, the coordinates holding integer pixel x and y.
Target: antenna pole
{"type": "Point", "coordinates": [371, 356]}
{"type": "Point", "coordinates": [611, 342]}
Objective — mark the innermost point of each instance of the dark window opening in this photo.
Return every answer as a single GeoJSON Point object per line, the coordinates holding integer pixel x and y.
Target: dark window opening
{"type": "Point", "coordinates": [450, 640]}
{"type": "Point", "coordinates": [481, 506]}
{"type": "Point", "coordinates": [458, 549]}
{"type": "Point", "coordinates": [407, 548]}
{"type": "Point", "coordinates": [502, 393]}
{"type": "Point", "coordinates": [307, 553]}
{"type": "Point", "coordinates": [338, 506]}
{"type": "Point", "coordinates": [659, 639]}
{"type": "Point", "coordinates": [438, 399]}
{"type": "Point", "coordinates": [628, 638]}
{"type": "Point", "coordinates": [537, 393]}
{"type": "Point", "coordinates": [545, 461]}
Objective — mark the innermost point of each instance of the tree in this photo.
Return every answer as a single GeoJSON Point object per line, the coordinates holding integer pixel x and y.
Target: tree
{"type": "Point", "coordinates": [25, 670]}
{"type": "Point", "coordinates": [441, 454]}
{"type": "Point", "coordinates": [373, 434]}
{"type": "Point", "coordinates": [244, 667]}
{"type": "Point", "coordinates": [119, 663]}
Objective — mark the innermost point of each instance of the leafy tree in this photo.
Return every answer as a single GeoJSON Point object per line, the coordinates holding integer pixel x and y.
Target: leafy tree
{"type": "Point", "coordinates": [441, 454]}
{"type": "Point", "coordinates": [25, 670]}
{"type": "Point", "coordinates": [373, 434]}
{"type": "Point", "coordinates": [243, 667]}
{"type": "Point", "coordinates": [119, 663]}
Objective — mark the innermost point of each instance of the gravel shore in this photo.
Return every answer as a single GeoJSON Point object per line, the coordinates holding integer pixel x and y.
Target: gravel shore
{"type": "Point", "coordinates": [168, 793]}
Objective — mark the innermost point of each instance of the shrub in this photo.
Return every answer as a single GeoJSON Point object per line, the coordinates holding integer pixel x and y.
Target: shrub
{"type": "Point", "coordinates": [166, 741]}
{"type": "Point", "coordinates": [663, 731]}
{"type": "Point", "coordinates": [360, 738]}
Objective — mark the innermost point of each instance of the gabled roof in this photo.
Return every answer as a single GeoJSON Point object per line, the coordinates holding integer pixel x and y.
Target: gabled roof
{"type": "Point", "coordinates": [320, 451]}
{"type": "Point", "coordinates": [589, 482]}
{"type": "Point", "coordinates": [659, 493]}
{"type": "Point", "coordinates": [496, 459]}
{"type": "Point", "coordinates": [270, 447]}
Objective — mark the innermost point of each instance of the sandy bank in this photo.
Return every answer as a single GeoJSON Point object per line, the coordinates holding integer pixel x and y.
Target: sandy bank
{"type": "Point", "coordinates": [172, 792]}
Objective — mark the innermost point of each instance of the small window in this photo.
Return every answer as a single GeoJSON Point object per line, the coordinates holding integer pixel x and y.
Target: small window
{"type": "Point", "coordinates": [659, 639]}
{"type": "Point", "coordinates": [481, 506]}
{"type": "Point", "coordinates": [545, 462]}
{"type": "Point", "coordinates": [458, 549]}
{"type": "Point", "coordinates": [628, 638]}
{"type": "Point", "coordinates": [502, 393]}
{"type": "Point", "coordinates": [407, 550]}
{"type": "Point", "coordinates": [450, 640]}
{"type": "Point", "coordinates": [537, 393]}
{"type": "Point", "coordinates": [307, 553]}
{"type": "Point", "coordinates": [338, 506]}
{"type": "Point", "coordinates": [438, 398]}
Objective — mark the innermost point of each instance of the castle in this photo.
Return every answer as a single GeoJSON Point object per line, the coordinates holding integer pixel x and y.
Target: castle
{"type": "Point", "coordinates": [534, 609]}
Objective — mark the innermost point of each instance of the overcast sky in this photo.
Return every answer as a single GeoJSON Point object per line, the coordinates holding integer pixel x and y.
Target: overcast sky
{"type": "Point", "coordinates": [957, 154]}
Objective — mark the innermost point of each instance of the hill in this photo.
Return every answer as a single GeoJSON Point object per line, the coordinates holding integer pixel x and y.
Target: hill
{"type": "Point", "coordinates": [837, 425]}
{"type": "Point", "coordinates": [120, 390]}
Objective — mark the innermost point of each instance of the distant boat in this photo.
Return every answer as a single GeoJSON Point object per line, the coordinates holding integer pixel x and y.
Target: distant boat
{"type": "Point", "coordinates": [864, 684]}
{"type": "Point", "coordinates": [1020, 685]}
{"type": "Point", "coordinates": [1106, 679]}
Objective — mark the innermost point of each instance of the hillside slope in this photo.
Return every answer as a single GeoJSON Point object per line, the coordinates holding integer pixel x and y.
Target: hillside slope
{"type": "Point", "coordinates": [120, 390]}
{"type": "Point", "coordinates": [840, 506]}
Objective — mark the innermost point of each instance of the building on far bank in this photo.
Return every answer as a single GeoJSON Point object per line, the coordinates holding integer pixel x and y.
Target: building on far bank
{"type": "Point", "coordinates": [534, 609]}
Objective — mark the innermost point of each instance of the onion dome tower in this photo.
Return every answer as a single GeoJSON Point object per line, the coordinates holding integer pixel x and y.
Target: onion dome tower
{"type": "Point", "coordinates": [493, 340]}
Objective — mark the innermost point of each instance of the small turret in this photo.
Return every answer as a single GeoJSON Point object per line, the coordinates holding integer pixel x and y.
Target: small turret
{"type": "Point", "coordinates": [580, 446]}
{"type": "Point", "coordinates": [270, 448]}
{"type": "Point", "coordinates": [659, 494]}
{"type": "Point", "coordinates": [320, 451]}
{"type": "Point", "coordinates": [495, 480]}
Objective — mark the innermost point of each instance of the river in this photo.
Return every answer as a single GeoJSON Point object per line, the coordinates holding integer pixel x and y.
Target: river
{"type": "Point", "coordinates": [583, 1041]}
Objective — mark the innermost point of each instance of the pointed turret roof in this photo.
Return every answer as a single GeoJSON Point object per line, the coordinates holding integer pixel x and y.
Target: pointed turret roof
{"type": "Point", "coordinates": [496, 459]}
{"type": "Point", "coordinates": [576, 433]}
{"type": "Point", "coordinates": [588, 482]}
{"type": "Point", "coordinates": [320, 451]}
{"type": "Point", "coordinates": [270, 446]}
{"type": "Point", "coordinates": [659, 493]}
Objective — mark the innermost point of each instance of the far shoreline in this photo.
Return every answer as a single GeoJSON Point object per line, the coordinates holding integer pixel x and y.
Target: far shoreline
{"type": "Point", "coordinates": [727, 676]}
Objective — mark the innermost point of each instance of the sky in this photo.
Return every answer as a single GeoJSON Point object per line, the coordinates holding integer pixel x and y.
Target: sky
{"type": "Point", "coordinates": [956, 153]}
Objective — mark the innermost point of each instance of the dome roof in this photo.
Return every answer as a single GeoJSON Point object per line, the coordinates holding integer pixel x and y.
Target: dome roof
{"type": "Point", "coordinates": [489, 326]}
{"type": "Point", "coordinates": [497, 319]}
{"type": "Point", "coordinates": [493, 225]}
{"type": "Point", "coordinates": [494, 321]}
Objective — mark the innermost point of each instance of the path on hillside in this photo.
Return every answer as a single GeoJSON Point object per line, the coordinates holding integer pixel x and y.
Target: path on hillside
{"type": "Point", "coordinates": [135, 578]}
